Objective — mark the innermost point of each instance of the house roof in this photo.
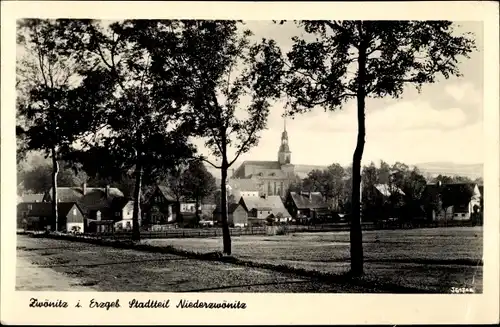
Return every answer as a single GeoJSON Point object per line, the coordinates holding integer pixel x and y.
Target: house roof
{"type": "Point", "coordinates": [44, 209]}
{"type": "Point", "coordinates": [457, 194]}
{"type": "Point", "coordinates": [263, 208]}
{"type": "Point", "coordinates": [94, 198]}
{"type": "Point", "coordinates": [167, 192]}
{"type": "Point", "coordinates": [385, 189]}
{"type": "Point", "coordinates": [37, 197]}
{"type": "Point", "coordinates": [120, 203]}
{"type": "Point", "coordinates": [231, 208]}
{"type": "Point", "coordinates": [302, 200]}
{"type": "Point", "coordinates": [271, 202]}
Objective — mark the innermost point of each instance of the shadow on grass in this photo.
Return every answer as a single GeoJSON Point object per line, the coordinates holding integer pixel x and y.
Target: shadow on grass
{"type": "Point", "coordinates": [23, 248]}
{"type": "Point", "coordinates": [93, 265]}
{"type": "Point", "coordinates": [244, 285]}
{"type": "Point", "coordinates": [422, 261]}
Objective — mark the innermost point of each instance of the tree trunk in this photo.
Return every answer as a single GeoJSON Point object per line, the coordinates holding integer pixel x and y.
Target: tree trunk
{"type": "Point", "coordinates": [356, 237]}
{"type": "Point", "coordinates": [55, 171]}
{"type": "Point", "coordinates": [197, 211]}
{"type": "Point", "coordinates": [136, 234]}
{"type": "Point", "coordinates": [226, 237]}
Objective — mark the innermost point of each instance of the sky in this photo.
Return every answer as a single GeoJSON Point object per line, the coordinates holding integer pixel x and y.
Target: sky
{"type": "Point", "coordinates": [441, 124]}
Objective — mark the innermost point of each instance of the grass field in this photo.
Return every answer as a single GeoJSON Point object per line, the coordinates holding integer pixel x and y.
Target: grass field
{"type": "Point", "coordinates": [435, 259]}
{"type": "Point", "coordinates": [58, 265]}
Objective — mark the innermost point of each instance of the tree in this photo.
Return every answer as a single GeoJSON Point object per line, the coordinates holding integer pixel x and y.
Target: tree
{"type": "Point", "coordinates": [52, 92]}
{"type": "Point", "coordinates": [371, 200]}
{"type": "Point", "coordinates": [39, 178]}
{"type": "Point", "coordinates": [198, 183]}
{"type": "Point", "coordinates": [329, 182]}
{"type": "Point", "coordinates": [362, 59]}
{"type": "Point", "coordinates": [443, 179]}
{"type": "Point", "coordinates": [229, 83]}
{"type": "Point", "coordinates": [146, 130]}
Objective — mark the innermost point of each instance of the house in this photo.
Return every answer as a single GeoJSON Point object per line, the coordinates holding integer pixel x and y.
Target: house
{"type": "Point", "coordinates": [162, 207]}
{"type": "Point", "coordinates": [124, 210]}
{"type": "Point", "coordinates": [237, 215]}
{"type": "Point", "coordinates": [93, 201]}
{"type": "Point", "coordinates": [383, 201]}
{"type": "Point", "coordinates": [30, 198]}
{"type": "Point", "coordinates": [239, 187]}
{"type": "Point", "coordinates": [456, 201]}
{"type": "Point", "coordinates": [159, 206]}
{"type": "Point", "coordinates": [306, 206]}
{"type": "Point", "coordinates": [40, 216]}
{"type": "Point", "coordinates": [387, 190]}
{"type": "Point", "coordinates": [263, 207]}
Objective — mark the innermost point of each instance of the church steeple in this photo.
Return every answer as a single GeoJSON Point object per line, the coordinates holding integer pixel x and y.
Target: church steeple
{"type": "Point", "coordinates": [284, 153]}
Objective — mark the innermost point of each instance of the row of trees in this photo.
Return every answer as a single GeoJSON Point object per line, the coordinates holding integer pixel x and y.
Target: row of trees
{"type": "Point", "coordinates": [335, 184]}
{"type": "Point", "coordinates": [131, 93]}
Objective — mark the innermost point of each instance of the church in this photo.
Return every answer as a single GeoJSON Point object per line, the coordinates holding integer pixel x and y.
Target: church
{"type": "Point", "coordinates": [272, 177]}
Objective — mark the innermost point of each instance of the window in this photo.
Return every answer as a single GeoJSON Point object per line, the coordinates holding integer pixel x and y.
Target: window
{"type": "Point", "coordinates": [74, 211]}
{"type": "Point", "coordinates": [117, 214]}
{"type": "Point", "coordinates": [30, 207]}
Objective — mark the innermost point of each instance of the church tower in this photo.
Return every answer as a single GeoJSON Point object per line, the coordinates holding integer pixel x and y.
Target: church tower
{"type": "Point", "coordinates": [284, 154]}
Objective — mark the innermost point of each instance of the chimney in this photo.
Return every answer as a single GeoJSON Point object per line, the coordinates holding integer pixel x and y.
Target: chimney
{"type": "Point", "coordinates": [84, 188]}
{"type": "Point", "coordinates": [107, 191]}
{"type": "Point", "coordinates": [310, 195]}
{"type": "Point", "coordinates": [439, 183]}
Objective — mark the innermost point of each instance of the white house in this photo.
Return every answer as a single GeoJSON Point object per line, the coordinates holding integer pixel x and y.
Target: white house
{"type": "Point", "coordinates": [243, 187]}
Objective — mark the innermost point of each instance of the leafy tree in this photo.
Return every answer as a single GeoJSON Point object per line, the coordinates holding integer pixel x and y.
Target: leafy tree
{"type": "Point", "coordinates": [329, 182]}
{"type": "Point", "coordinates": [479, 181]}
{"type": "Point", "coordinates": [443, 179]}
{"type": "Point", "coordinates": [229, 83]}
{"type": "Point", "coordinates": [295, 186]}
{"type": "Point", "coordinates": [53, 108]}
{"type": "Point", "coordinates": [146, 130]}
{"type": "Point", "coordinates": [362, 59]}
{"type": "Point", "coordinates": [39, 178]}
{"type": "Point", "coordinates": [198, 183]}
{"type": "Point", "coordinates": [461, 179]}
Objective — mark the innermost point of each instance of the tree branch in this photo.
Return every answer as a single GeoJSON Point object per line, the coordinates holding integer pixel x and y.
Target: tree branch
{"type": "Point", "coordinates": [244, 145]}
{"type": "Point", "coordinates": [209, 162]}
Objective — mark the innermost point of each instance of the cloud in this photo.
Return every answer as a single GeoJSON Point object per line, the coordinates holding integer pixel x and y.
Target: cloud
{"type": "Point", "coordinates": [398, 116]}
{"type": "Point", "coordinates": [464, 92]}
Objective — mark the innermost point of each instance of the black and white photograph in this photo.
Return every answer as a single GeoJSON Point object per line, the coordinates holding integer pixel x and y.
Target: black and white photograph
{"type": "Point", "coordinates": [249, 156]}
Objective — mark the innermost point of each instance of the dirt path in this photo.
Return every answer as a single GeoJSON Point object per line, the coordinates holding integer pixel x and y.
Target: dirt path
{"type": "Point", "coordinates": [30, 277]}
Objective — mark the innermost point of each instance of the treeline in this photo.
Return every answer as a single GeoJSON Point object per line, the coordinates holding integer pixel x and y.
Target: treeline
{"type": "Point", "coordinates": [191, 181]}
{"type": "Point", "coordinates": [387, 190]}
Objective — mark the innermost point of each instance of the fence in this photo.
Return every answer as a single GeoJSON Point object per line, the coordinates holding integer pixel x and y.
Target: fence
{"type": "Point", "coordinates": [217, 231]}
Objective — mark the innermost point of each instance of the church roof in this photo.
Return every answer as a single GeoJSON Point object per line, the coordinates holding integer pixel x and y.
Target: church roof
{"type": "Point", "coordinates": [269, 173]}
{"type": "Point", "coordinates": [244, 184]}
{"type": "Point", "coordinates": [263, 164]}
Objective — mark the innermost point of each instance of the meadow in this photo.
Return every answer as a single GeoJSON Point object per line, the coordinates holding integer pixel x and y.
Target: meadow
{"type": "Point", "coordinates": [435, 259]}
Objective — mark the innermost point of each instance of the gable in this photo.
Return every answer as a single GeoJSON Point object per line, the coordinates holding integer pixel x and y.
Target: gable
{"type": "Point", "coordinates": [304, 201]}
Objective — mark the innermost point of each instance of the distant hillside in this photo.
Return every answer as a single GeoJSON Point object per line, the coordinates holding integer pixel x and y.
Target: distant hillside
{"type": "Point", "coordinates": [428, 168]}
{"type": "Point", "coordinates": [451, 169]}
